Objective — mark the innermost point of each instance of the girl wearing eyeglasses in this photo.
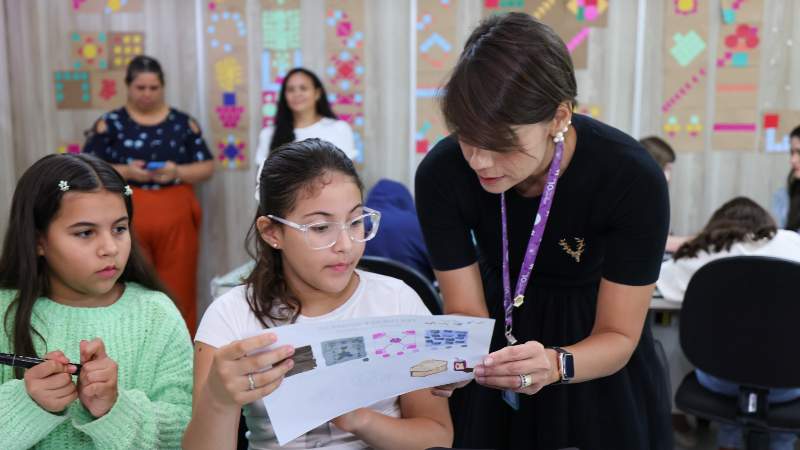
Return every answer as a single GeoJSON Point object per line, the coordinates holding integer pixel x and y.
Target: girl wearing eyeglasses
{"type": "Point", "coordinates": [307, 238]}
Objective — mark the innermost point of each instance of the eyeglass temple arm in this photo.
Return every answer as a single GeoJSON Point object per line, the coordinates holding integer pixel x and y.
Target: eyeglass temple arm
{"type": "Point", "coordinates": [286, 222]}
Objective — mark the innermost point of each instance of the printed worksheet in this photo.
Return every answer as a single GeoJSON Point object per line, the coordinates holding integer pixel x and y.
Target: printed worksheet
{"type": "Point", "coordinates": [344, 365]}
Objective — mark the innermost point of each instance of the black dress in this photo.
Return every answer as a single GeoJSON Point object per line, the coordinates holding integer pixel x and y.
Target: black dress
{"type": "Point", "coordinates": [614, 197]}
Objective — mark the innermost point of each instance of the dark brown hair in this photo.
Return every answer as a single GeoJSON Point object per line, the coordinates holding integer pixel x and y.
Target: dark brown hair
{"type": "Point", "coordinates": [37, 201]}
{"type": "Point", "coordinates": [143, 64]}
{"type": "Point", "coordinates": [793, 218]}
{"type": "Point", "coordinates": [738, 220]}
{"type": "Point", "coordinates": [514, 70]}
{"type": "Point", "coordinates": [660, 150]}
{"type": "Point", "coordinates": [284, 119]}
{"type": "Point", "coordinates": [290, 171]}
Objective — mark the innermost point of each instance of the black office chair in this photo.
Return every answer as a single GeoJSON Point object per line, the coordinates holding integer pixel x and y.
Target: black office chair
{"type": "Point", "coordinates": [739, 322]}
{"type": "Point", "coordinates": [409, 275]}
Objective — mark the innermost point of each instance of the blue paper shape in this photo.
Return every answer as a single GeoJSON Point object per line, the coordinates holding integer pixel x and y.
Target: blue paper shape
{"type": "Point", "coordinates": [739, 59]}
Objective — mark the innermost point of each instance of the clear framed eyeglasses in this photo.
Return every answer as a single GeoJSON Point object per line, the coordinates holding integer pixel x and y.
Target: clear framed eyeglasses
{"type": "Point", "coordinates": [321, 235]}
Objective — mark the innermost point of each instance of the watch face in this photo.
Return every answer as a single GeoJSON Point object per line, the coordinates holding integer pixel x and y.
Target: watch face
{"type": "Point", "coordinates": [569, 367]}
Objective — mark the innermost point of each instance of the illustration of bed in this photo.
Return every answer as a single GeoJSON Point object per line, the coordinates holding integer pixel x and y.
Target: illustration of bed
{"type": "Point", "coordinates": [428, 367]}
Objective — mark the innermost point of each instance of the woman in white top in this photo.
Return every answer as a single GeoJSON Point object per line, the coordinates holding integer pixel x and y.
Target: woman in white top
{"type": "Point", "coordinates": [304, 274]}
{"type": "Point", "coordinates": [303, 113]}
{"type": "Point", "coordinates": [739, 228]}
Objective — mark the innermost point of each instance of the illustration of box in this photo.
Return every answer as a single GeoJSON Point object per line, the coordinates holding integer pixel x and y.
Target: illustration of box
{"type": "Point", "coordinates": [428, 367]}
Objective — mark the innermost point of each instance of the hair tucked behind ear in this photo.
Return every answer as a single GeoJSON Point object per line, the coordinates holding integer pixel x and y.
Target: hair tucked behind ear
{"type": "Point", "coordinates": [290, 170]}
{"type": "Point", "coordinates": [37, 200]}
{"type": "Point", "coordinates": [739, 220]}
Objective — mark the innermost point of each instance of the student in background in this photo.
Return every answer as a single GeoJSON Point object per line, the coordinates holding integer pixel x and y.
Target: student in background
{"type": "Point", "coordinates": [304, 113]}
{"type": "Point", "coordinates": [75, 287]}
{"type": "Point", "coordinates": [401, 237]}
{"type": "Point", "coordinates": [665, 157]}
{"type": "Point", "coordinates": [739, 228]}
{"type": "Point", "coordinates": [786, 202]}
{"type": "Point", "coordinates": [304, 275]}
{"type": "Point", "coordinates": [135, 139]}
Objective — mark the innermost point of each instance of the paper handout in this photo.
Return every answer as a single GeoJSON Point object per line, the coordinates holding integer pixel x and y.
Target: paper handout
{"type": "Point", "coordinates": [349, 364]}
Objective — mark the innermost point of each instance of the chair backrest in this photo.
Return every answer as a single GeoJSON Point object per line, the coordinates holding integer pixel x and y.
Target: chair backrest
{"type": "Point", "coordinates": [740, 321]}
{"type": "Point", "coordinates": [409, 275]}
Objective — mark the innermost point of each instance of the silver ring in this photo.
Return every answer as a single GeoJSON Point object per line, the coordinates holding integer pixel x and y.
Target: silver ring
{"type": "Point", "coordinates": [526, 381]}
{"type": "Point", "coordinates": [252, 386]}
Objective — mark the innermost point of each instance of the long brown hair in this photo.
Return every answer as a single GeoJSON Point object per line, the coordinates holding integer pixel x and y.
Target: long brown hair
{"type": "Point", "coordinates": [793, 218]}
{"type": "Point", "coordinates": [290, 170]}
{"type": "Point", "coordinates": [740, 219]}
{"type": "Point", "coordinates": [514, 70]}
{"type": "Point", "coordinates": [37, 200]}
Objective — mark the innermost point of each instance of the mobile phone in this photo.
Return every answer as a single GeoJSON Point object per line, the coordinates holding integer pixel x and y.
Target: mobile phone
{"type": "Point", "coordinates": [155, 165]}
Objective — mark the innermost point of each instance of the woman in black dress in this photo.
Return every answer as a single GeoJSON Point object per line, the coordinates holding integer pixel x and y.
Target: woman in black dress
{"type": "Point", "coordinates": [509, 104]}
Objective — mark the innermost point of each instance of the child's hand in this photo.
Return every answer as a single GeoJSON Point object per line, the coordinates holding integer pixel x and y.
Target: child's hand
{"type": "Point", "coordinates": [97, 383]}
{"type": "Point", "coordinates": [228, 376]}
{"type": "Point", "coordinates": [352, 421]}
{"type": "Point", "coordinates": [50, 383]}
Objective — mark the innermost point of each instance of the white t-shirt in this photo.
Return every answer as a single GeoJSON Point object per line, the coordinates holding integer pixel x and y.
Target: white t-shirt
{"type": "Point", "coordinates": [229, 317]}
{"type": "Point", "coordinates": [675, 275]}
{"type": "Point", "coordinates": [337, 132]}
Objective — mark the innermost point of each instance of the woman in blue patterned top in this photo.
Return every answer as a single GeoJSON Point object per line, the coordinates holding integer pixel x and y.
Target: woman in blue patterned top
{"type": "Point", "coordinates": [160, 151]}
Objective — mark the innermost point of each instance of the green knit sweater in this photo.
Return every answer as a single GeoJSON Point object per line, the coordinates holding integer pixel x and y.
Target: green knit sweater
{"type": "Point", "coordinates": [145, 334]}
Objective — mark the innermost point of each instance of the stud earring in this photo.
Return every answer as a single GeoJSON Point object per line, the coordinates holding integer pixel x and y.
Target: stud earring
{"type": "Point", "coordinates": [275, 245]}
{"type": "Point", "coordinates": [569, 122]}
{"type": "Point", "coordinates": [565, 129]}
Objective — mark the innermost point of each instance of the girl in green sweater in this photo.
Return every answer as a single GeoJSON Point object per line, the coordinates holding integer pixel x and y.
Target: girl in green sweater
{"type": "Point", "coordinates": [75, 287]}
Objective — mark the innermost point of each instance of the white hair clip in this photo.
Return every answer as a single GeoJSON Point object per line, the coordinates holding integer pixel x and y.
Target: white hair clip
{"type": "Point", "coordinates": [128, 190]}
{"type": "Point", "coordinates": [64, 186]}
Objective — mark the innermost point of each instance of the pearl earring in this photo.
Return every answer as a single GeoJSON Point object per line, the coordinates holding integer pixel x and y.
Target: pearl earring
{"type": "Point", "coordinates": [569, 122]}
{"type": "Point", "coordinates": [565, 129]}
{"type": "Point", "coordinates": [559, 137]}
{"type": "Point", "coordinates": [275, 245]}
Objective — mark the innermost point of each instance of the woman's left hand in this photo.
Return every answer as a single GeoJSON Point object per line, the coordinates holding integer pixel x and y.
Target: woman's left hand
{"type": "Point", "coordinates": [166, 174]}
{"type": "Point", "coordinates": [502, 369]}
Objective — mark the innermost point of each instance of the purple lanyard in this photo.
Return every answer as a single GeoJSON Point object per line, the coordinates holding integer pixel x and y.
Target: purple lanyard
{"type": "Point", "coordinates": [533, 245]}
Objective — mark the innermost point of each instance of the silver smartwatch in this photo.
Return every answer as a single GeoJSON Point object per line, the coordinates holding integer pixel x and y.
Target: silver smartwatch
{"type": "Point", "coordinates": [566, 367]}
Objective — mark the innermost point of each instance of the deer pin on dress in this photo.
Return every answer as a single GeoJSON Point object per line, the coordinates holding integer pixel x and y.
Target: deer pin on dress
{"type": "Point", "coordinates": [574, 253]}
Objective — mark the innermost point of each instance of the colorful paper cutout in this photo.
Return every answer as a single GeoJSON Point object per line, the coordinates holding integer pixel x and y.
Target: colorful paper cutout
{"type": "Point", "coordinates": [687, 47]}
{"type": "Point", "coordinates": [345, 70]}
{"type": "Point", "coordinates": [229, 73]}
{"type": "Point", "coordinates": [686, 7]}
{"type": "Point", "coordinates": [684, 90]}
{"type": "Point", "coordinates": [106, 6]}
{"type": "Point", "coordinates": [269, 107]}
{"type": "Point", "coordinates": [72, 90]}
{"type": "Point", "coordinates": [231, 152]}
{"type": "Point", "coordinates": [778, 126]}
{"type": "Point", "coordinates": [229, 113]}
{"type": "Point", "coordinates": [435, 40]}
{"type": "Point", "coordinates": [739, 45]}
{"type": "Point", "coordinates": [281, 29]}
{"type": "Point", "coordinates": [543, 8]}
{"type": "Point", "coordinates": [587, 10]}
{"type": "Point", "coordinates": [227, 31]}
{"type": "Point", "coordinates": [124, 47]}
{"type": "Point", "coordinates": [89, 50]}
{"type": "Point", "coordinates": [73, 147]}
{"type": "Point", "coordinates": [108, 90]}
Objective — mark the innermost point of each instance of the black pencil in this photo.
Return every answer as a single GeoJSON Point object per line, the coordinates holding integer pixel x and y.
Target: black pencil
{"type": "Point", "coordinates": [26, 362]}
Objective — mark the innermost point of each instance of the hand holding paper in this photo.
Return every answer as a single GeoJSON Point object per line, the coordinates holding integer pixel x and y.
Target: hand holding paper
{"type": "Point", "coordinates": [342, 367]}
{"type": "Point", "coordinates": [228, 377]}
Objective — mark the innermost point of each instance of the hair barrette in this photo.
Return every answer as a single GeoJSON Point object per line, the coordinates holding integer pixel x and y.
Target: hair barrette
{"type": "Point", "coordinates": [128, 190]}
{"type": "Point", "coordinates": [64, 186]}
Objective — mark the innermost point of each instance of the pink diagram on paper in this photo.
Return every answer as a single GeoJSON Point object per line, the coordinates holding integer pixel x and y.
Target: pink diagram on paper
{"type": "Point", "coordinates": [397, 343]}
